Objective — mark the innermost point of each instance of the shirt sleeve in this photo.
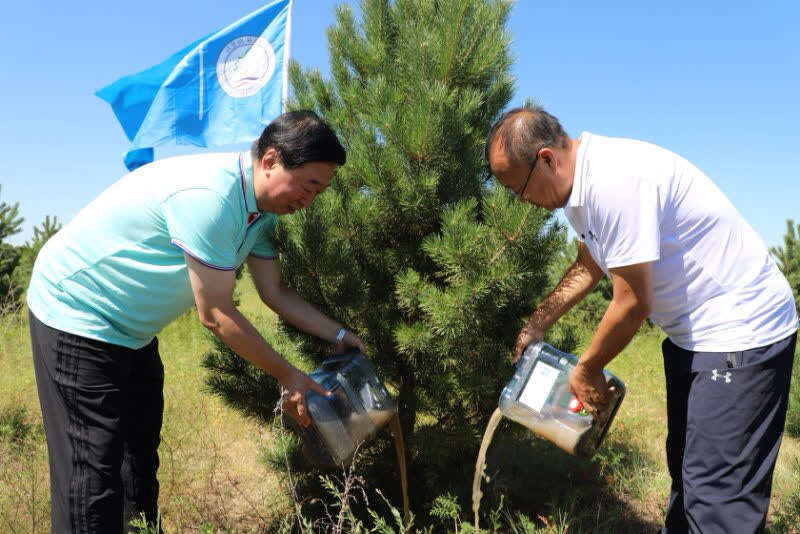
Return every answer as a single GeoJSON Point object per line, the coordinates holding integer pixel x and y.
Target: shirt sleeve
{"type": "Point", "coordinates": [265, 245]}
{"type": "Point", "coordinates": [627, 221]}
{"type": "Point", "coordinates": [202, 224]}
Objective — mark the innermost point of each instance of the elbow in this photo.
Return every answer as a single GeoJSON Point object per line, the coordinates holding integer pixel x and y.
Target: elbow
{"type": "Point", "coordinates": [209, 322]}
{"type": "Point", "coordinates": [211, 319]}
{"type": "Point", "coordinates": [635, 310]}
{"type": "Point", "coordinates": [641, 310]}
{"type": "Point", "coordinates": [268, 299]}
{"type": "Point", "coordinates": [273, 297]}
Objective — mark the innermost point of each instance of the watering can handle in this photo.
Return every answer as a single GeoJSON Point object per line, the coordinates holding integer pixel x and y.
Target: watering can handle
{"type": "Point", "coordinates": [338, 358]}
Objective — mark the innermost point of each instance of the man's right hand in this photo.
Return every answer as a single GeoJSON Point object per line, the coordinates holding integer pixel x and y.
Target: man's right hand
{"type": "Point", "coordinates": [526, 336]}
{"type": "Point", "coordinates": [293, 394]}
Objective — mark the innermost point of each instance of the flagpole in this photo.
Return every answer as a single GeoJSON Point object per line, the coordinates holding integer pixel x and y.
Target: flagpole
{"type": "Point", "coordinates": [286, 50]}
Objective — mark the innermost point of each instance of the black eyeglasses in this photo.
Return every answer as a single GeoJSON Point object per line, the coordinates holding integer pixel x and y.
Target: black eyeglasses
{"type": "Point", "coordinates": [530, 173]}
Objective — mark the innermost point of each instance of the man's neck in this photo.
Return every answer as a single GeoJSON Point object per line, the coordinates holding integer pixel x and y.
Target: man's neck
{"type": "Point", "coordinates": [569, 167]}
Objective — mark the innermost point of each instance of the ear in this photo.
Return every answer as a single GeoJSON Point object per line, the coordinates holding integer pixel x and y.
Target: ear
{"type": "Point", "coordinates": [269, 159]}
{"type": "Point", "coordinates": [548, 155]}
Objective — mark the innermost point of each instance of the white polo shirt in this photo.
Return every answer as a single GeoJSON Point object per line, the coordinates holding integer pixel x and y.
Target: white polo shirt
{"type": "Point", "coordinates": [715, 286]}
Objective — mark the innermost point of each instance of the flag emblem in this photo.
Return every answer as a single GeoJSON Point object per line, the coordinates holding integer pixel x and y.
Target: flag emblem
{"type": "Point", "coordinates": [245, 65]}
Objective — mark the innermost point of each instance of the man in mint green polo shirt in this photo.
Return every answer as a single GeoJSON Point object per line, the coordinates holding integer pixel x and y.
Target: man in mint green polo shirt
{"type": "Point", "coordinates": [165, 237]}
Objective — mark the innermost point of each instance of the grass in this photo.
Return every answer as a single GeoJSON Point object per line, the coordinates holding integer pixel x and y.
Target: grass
{"type": "Point", "coordinates": [24, 482]}
{"type": "Point", "coordinates": [214, 478]}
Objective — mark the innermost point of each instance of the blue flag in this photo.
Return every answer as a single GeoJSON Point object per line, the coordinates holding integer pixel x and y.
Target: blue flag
{"type": "Point", "coordinates": [221, 89]}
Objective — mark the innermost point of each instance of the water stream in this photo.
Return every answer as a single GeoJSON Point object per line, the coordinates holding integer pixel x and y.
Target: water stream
{"type": "Point", "coordinates": [400, 449]}
{"type": "Point", "coordinates": [480, 464]}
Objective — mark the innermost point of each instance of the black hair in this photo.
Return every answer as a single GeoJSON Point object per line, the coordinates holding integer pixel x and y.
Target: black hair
{"type": "Point", "coordinates": [300, 137]}
{"type": "Point", "coordinates": [524, 131]}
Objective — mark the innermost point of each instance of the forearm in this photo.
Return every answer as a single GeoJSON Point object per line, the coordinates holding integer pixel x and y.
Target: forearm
{"type": "Point", "coordinates": [235, 331]}
{"type": "Point", "coordinates": [576, 283]}
{"type": "Point", "coordinates": [299, 313]}
{"type": "Point", "coordinates": [615, 330]}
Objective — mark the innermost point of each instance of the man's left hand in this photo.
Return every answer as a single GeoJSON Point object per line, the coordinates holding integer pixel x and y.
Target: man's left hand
{"type": "Point", "coordinates": [350, 340]}
{"type": "Point", "coordinates": [590, 386]}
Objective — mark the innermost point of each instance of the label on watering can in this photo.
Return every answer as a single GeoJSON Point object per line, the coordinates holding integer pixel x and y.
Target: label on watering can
{"type": "Point", "coordinates": [539, 386]}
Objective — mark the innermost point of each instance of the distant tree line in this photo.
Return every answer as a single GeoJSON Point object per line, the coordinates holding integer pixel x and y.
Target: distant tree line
{"type": "Point", "coordinates": [16, 262]}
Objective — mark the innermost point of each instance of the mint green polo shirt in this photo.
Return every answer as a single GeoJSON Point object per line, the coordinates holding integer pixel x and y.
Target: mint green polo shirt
{"type": "Point", "coordinates": [117, 272]}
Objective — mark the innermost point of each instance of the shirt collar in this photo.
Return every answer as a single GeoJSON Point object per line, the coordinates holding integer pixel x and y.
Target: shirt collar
{"type": "Point", "coordinates": [576, 197]}
{"type": "Point", "coordinates": [246, 177]}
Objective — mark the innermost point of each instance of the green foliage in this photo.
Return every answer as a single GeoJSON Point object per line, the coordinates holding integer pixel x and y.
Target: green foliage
{"type": "Point", "coordinates": [243, 386]}
{"type": "Point", "coordinates": [285, 449]}
{"type": "Point", "coordinates": [793, 411]}
{"type": "Point", "coordinates": [29, 252]}
{"type": "Point", "coordinates": [10, 221]}
{"type": "Point", "coordinates": [382, 526]}
{"type": "Point", "coordinates": [14, 425]}
{"type": "Point", "coordinates": [16, 263]}
{"type": "Point", "coordinates": [10, 224]}
{"type": "Point", "coordinates": [9, 291]}
{"type": "Point", "coordinates": [788, 258]}
{"type": "Point", "coordinates": [447, 511]}
{"type": "Point", "coordinates": [140, 525]}
{"type": "Point", "coordinates": [24, 496]}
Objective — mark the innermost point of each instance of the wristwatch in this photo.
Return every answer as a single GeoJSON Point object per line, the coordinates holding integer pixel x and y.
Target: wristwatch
{"type": "Point", "coordinates": [340, 335]}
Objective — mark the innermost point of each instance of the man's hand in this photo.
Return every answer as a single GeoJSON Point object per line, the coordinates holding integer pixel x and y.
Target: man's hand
{"type": "Point", "coordinates": [590, 386]}
{"type": "Point", "coordinates": [526, 336]}
{"type": "Point", "coordinates": [350, 340]}
{"type": "Point", "coordinates": [293, 394]}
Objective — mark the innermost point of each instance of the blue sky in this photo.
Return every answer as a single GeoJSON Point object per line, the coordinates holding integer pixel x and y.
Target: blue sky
{"type": "Point", "coordinates": [716, 82]}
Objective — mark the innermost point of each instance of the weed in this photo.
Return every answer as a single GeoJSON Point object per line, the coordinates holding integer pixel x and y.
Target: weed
{"type": "Point", "coordinates": [14, 425]}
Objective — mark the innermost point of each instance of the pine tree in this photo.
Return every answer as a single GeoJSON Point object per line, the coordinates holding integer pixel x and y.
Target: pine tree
{"type": "Point", "coordinates": [10, 224]}
{"type": "Point", "coordinates": [412, 246]}
{"type": "Point", "coordinates": [788, 257]}
{"type": "Point", "coordinates": [28, 252]}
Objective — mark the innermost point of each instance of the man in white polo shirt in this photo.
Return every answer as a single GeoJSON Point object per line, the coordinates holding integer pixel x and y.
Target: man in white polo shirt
{"type": "Point", "coordinates": [678, 252]}
{"type": "Point", "coordinates": [165, 237]}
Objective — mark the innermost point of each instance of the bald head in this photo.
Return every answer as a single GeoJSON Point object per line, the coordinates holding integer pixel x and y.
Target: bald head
{"type": "Point", "coordinates": [521, 132]}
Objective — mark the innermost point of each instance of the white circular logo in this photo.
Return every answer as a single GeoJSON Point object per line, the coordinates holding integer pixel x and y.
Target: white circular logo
{"type": "Point", "coordinates": [245, 65]}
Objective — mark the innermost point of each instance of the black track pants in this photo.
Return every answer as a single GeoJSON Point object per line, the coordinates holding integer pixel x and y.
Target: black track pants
{"type": "Point", "coordinates": [102, 407]}
{"type": "Point", "coordinates": [725, 412]}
